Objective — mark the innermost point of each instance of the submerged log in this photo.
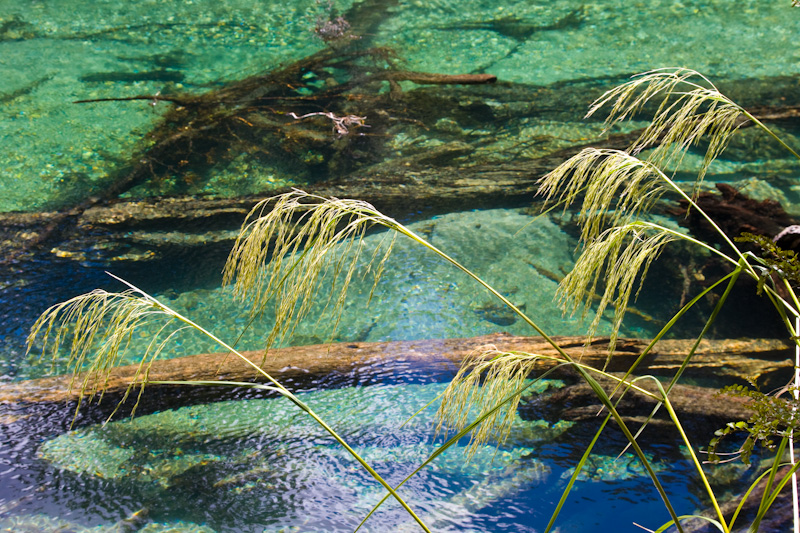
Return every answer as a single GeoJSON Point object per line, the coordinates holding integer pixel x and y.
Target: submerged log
{"type": "Point", "coordinates": [727, 359]}
{"type": "Point", "coordinates": [734, 213]}
{"type": "Point", "coordinates": [702, 410]}
{"type": "Point", "coordinates": [780, 516]}
{"type": "Point", "coordinates": [254, 116]}
{"type": "Point", "coordinates": [110, 229]}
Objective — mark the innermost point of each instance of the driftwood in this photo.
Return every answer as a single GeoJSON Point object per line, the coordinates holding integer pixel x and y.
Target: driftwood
{"type": "Point", "coordinates": [759, 359]}
{"type": "Point", "coordinates": [578, 402]}
{"type": "Point", "coordinates": [425, 78]}
{"type": "Point", "coordinates": [700, 410]}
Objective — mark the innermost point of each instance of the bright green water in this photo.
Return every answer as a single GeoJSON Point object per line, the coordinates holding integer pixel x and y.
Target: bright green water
{"type": "Point", "coordinates": [50, 51]}
{"type": "Point", "coordinates": [55, 154]}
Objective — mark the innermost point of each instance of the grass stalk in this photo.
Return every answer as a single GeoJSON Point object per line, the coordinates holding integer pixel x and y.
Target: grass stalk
{"type": "Point", "coordinates": [697, 465]}
{"type": "Point", "coordinates": [143, 302]}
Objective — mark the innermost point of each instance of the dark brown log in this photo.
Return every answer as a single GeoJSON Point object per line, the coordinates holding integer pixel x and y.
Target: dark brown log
{"type": "Point", "coordinates": [734, 213]}
{"type": "Point", "coordinates": [424, 78]}
{"type": "Point", "coordinates": [702, 410]}
{"type": "Point", "coordinates": [731, 359]}
{"type": "Point", "coordinates": [788, 113]}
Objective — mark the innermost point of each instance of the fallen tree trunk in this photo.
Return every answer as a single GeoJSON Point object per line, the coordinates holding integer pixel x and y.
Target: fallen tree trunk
{"type": "Point", "coordinates": [439, 177]}
{"type": "Point", "coordinates": [734, 213]}
{"type": "Point", "coordinates": [701, 410]}
{"type": "Point", "coordinates": [147, 229]}
{"type": "Point", "coordinates": [732, 359]}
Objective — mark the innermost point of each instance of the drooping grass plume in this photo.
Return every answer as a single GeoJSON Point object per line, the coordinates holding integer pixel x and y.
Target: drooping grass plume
{"type": "Point", "coordinates": [486, 378]}
{"type": "Point", "coordinates": [99, 327]}
{"type": "Point", "coordinates": [611, 264]}
{"type": "Point", "coordinates": [294, 244]}
{"type": "Point", "coordinates": [615, 188]}
{"type": "Point", "coordinates": [691, 107]}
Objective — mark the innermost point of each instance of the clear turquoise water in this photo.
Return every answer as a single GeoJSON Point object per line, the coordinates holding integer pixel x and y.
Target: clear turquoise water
{"type": "Point", "coordinates": [55, 153]}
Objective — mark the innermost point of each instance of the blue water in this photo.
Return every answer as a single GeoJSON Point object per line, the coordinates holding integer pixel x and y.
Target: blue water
{"type": "Point", "coordinates": [56, 154]}
{"type": "Point", "coordinates": [262, 465]}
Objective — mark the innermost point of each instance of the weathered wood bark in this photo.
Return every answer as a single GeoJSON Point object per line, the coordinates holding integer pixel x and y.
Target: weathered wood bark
{"type": "Point", "coordinates": [731, 358]}
{"type": "Point", "coordinates": [702, 410]}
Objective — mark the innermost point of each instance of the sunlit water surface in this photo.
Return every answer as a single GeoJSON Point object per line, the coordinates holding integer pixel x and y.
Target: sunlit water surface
{"type": "Point", "coordinates": [257, 464]}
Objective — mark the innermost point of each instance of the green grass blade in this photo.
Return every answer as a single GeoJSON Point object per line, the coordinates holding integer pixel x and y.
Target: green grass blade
{"type": "Point", "coordinates": [578, 467]}
{"type": "Point", "coordinates": [746, 495]}
{"type": "Point", "coordinates": [695, 460]}
{"type": "Point", "coordinates": [449, 443]}
{"type": "Point", "coordinates": [688, 517]}
{"type": "Point", "coordinates": [732, 278]}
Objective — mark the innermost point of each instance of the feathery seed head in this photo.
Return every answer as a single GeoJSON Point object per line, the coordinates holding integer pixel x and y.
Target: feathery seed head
{"type": "Point", "coordinates": [486, 378]}
{"type": "Point", "coordinates": [616, 188]}
{"type": "Point", "coordinates": [619, 256]}
{"type": "Point", "coordinates": [99, 326]}
{"type": "Point", "coordinates": [691, 107]}
{"type": "Point", "coordinates": [292, 245]}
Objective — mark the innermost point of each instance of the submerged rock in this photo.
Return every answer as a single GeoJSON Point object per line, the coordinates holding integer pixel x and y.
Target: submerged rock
{"type": "Point", "coordinates": [607, 468]}
{"type": "Point", "coordinates": [235, 455]}
{"type": "Point", "coordinates": [246, 449]}
{"type": "Point", "coordinates": [162, 446]}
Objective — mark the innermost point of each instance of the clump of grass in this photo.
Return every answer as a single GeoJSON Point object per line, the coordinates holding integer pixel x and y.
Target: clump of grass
{"type": "Point", "coordinates": [479, 386]}
{"type": "Point", "coordinates": [99, 327]}
{"type": "Point", "coordinates": [616, 191]}
{"type": "Point", "coordinates": [293, 245]}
